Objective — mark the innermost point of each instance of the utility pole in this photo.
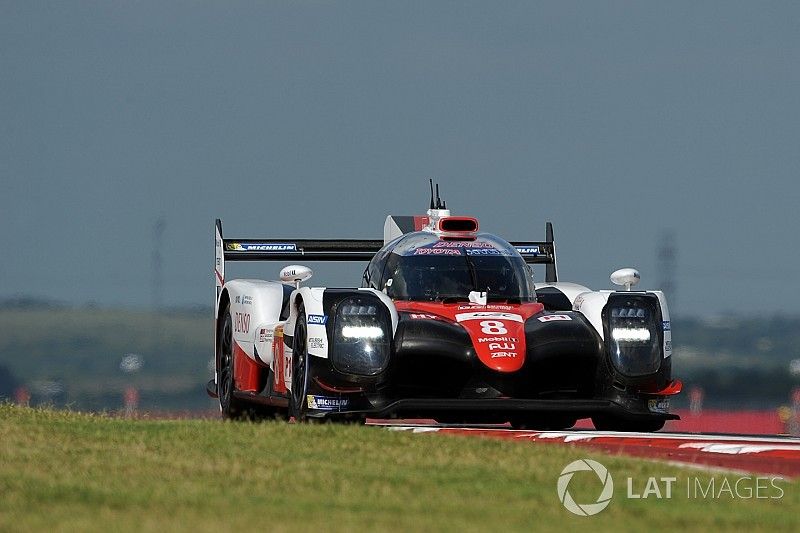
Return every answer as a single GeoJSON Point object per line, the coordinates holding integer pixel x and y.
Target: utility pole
{"type": "Point", "coordinates": [666, 260]}
{"type": "Point", "coordinates": [157, 283]}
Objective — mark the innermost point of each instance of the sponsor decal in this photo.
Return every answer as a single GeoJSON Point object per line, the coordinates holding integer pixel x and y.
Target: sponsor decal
{"type": "Point", "coordinates": [667, 346]}
{"type": "Point", "coordinates": [553, 318]}
{"type": "Point", "coordinates": [666, 326]}
{"type": "Point", "coordinates": [484, 315]}
{"type": "Point", "coordinates": [423, 316]}
{"type": "Point", "coordinates": [262, 247]}
{"type": "Point", "coordinates": [658, 405]}
{"type": "Point", "coordinates": [497, 355]}
{"type": "Point", "coordinates": [241, 322]}
{"type": "Point", "coordinates": [483, 252]}
{"type": "Point", "coordinates": [327, 403]}
{"type": "Point", "coordinates": [462, 244]}
{"type": "Point", "coordinates": [247, 300]}
{"type": "Point", "coordinates": [238, 299]}
{"type": "Point", "coordinates": [316, 343]}
{"type": "Point", "coordinates": [528, 250]}
{"type": "Point", "coordinates": [317, 319]}
{"type": "Point", "coordinates": [576, 305]}
{"type": "Point", "coordinates": [437, 251]}
{"type": "Point", "coordinates": [264, 335]}
{"type": "Point", "coordinates": [502, 346]}
{"type": "Point", "coordinates": [497, 339]}
{"type": "Point", "coordinates": [489, 307]}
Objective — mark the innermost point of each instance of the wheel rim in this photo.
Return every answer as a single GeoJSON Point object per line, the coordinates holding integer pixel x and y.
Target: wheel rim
{"type": "Point", "coordinates": [226, 365]}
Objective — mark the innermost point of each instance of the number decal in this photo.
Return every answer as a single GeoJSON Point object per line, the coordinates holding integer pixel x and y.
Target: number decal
{"type": "Point", "coordinates": [493, 327]}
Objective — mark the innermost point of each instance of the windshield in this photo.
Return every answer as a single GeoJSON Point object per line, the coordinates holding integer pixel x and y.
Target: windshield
{"type": "Point", "coordinates": [453, 277]}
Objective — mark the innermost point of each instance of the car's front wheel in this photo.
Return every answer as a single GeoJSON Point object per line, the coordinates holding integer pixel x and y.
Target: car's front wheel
{"type": "Point", "coordinates": [298, 406]}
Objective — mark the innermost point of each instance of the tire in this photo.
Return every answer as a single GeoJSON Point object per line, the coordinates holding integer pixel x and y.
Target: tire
{"type": "Point", "coordinates": [231, 407]}
{"type": "Point", "coordinates": [610, 423]}
{"type": "Point", "coordinates": [298, 406]}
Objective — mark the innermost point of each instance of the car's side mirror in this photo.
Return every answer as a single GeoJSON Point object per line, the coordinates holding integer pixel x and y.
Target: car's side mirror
{"type": "Point", "coordinates": [296, 274]}
{"type": "Point", "coordinates": [627, 277]}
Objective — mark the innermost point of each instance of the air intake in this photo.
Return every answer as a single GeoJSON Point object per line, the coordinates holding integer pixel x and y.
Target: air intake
{"type": "Point", "coordinates": [458, 225]}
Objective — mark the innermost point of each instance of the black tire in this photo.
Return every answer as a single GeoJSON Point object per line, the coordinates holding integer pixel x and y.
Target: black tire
{"type": "Point", "coordinates": [610, 423]}
{"type": "Point", "coordinates": [231, 407]}
{"type": "Point", "coordinates": [298, 406]}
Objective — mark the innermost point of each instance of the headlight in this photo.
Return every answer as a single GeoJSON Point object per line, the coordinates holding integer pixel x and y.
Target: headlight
{"type": "Point", "coordinates": [632, 325]}
{"type": "Point", "coordinates": [362, 337]}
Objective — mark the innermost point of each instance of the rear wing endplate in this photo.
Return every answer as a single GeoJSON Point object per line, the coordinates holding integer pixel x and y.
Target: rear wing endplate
{"type": "Point", "coordinates": [541, 253]}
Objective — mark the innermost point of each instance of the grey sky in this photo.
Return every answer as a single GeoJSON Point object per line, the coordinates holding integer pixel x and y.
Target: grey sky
{"type": "Point", "coordinates": [615, 120]}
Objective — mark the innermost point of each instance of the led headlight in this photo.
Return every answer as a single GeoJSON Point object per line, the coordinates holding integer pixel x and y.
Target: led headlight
{"type": "Point", "coordinates": [362, 336]}
{"type": "Point", "coordinates": [632, 325]}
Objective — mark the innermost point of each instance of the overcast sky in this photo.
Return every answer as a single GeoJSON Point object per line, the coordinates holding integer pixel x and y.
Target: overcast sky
{"type": "Point", "coordinates": [617, 121]}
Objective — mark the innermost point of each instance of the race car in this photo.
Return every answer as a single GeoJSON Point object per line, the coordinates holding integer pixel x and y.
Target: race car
{"type": "Point", "coordinates": [448, 324]}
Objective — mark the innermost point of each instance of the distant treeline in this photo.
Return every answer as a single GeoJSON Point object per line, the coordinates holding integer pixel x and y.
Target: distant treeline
{"type": "Point", "coordinates": [73, 356]}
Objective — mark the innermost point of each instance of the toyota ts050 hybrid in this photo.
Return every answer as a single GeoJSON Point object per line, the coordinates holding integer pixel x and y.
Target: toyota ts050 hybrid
{"type": "Point", "coordinates": [447, 324]}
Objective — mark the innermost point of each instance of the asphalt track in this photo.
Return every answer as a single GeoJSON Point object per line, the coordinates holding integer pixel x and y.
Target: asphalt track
{"type": "Point", "coordinates": [777, 455]}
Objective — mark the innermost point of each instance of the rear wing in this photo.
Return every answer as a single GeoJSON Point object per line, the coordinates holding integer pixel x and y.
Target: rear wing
{"type": "Point", "coordinates": [288, 250]}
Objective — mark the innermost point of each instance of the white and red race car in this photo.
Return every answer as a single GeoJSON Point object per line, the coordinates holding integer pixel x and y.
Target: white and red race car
{"type": "Point", "coordinates": [447, 324]}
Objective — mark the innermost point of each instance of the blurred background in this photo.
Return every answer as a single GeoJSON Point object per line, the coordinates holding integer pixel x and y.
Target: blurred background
{"type": "Point", "coordinates": [658, 136]}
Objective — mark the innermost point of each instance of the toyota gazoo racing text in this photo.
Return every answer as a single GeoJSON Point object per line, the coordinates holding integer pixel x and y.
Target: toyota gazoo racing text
{"type": "Point", "coordinates": [447, 324]}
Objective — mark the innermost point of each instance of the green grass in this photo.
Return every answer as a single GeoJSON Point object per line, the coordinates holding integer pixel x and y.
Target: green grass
{"type": "Point", "coordinates": [76, 472]}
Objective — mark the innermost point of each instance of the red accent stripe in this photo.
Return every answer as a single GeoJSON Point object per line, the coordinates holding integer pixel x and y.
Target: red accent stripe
{"type": "Point", "coordinates": [219, 277]}
{"type": "Point", "coordinates": [420, 221]}
{"type": "Point", "coordinates": [278, 362]}
{"type": "Point", "coordinates": [674, 387]}
{"type": "Point", "coordinates": [246, 371]}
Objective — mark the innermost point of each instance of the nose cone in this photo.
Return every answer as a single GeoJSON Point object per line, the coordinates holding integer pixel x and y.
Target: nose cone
{"type": "Point", "coordinates": [499, 340]}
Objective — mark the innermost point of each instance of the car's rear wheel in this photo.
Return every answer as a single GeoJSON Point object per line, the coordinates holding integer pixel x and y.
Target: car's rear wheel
{"type": "Point", "coordinates": [611, 423]}
{"type": "Point", "coordinates": [231, 407]}
{"type": "Point", "coordinates": [298, 406]}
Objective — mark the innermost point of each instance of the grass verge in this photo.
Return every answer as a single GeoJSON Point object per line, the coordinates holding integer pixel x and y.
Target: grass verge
{"type": "Point", "coordinates": [79, 472]}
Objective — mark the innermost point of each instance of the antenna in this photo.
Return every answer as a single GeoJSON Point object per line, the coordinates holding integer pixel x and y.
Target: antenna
{"type": "Point", "coordinates": [431, 180]}
{"type": "Point", "coordinates": [438, 201]}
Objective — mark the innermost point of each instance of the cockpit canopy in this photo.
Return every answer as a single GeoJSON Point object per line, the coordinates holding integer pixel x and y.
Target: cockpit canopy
{"type": "Point", "coordinates": [421, 266]}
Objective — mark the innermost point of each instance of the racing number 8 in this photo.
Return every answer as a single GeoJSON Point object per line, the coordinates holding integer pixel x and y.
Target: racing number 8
{"type": "Point", "coordinates": [493, 327]}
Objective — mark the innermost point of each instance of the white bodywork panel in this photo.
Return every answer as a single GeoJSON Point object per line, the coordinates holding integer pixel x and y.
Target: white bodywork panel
{"type": "Point", "coordinates": [255, 306]}
{"type": "Point", "coordinates": [389, 305]}
{"type": "Point", "coordinates": [590, 304]}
